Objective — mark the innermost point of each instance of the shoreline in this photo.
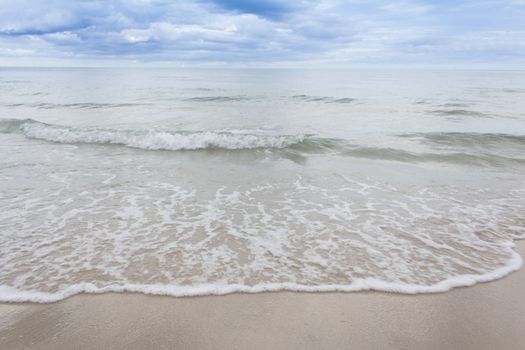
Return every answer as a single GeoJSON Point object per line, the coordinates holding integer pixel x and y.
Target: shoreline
{"type": "Point", "coordinates": [485, 316]}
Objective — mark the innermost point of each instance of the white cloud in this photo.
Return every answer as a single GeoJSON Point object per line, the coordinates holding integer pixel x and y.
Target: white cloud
{"type": "Point", "coordinates": [303, 31]}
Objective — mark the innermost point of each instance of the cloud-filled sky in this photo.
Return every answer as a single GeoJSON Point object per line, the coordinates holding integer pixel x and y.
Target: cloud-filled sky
{"type": "Point", "coordinates": [263, 32]}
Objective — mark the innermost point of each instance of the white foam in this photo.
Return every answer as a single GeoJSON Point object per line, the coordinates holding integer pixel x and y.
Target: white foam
{"type": "Point", "coordinates": [158, 238]}
{"type": "Point", "coordinates": [158, 139]}
{"type": "Point", "coordinates": [10, 294]}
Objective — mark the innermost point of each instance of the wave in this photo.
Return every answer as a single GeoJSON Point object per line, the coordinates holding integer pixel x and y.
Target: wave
{"type": "Point", "coordinates": [148, 139]}
{"type": "Point", "coordinates": [12, 126]}
{"type": "Point", "coordinates": [469, 139]}
{"type": "Point", "coordinates": [459, 113]}
{"type": "Point", "coordinates": [503, 90]}
{"type": "Point", "coordinates": [14, 295]}
{"type": "Point", "coordinates": [290, 146]}
{"type": "Point", "coordinates": [343, 100]}
{"type": "Point", "coordinates": [327, 99]}
{"type": "Point", "coordinates": [427, 240]}
{"type": "Point", "coordinates": [219, 98]}
{"type": "Point", "coordinates": [305, 98]}
{"type": "Point", "coordinates": [455, 105]}
{"type": "Point", "coordinates": [460, 158]}
{"type": "Point", "coordinates": [80, 105]}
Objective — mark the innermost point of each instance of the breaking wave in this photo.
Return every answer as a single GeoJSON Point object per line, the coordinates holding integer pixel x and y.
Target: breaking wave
{"type": "Point", "coordinates": [286, 145]}
{"type": "Point", "coordinates": [148, 139]}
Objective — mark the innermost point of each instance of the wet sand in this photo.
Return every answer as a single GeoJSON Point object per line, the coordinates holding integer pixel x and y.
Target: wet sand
{"type": "Point", "coordinates": [486, 316]}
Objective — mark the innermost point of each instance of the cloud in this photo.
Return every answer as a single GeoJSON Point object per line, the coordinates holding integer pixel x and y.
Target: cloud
{"type": "Point", "coordinates": [265, 31]}
{"type": "Point", "coordinates": [38, 17]}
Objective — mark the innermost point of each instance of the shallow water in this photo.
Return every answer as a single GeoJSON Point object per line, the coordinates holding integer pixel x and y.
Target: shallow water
{"type": "Point", "coordinates": [213, 181]}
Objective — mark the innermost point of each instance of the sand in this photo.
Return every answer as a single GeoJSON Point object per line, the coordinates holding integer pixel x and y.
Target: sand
{"type": "Point", "coordinates": [485, 316]}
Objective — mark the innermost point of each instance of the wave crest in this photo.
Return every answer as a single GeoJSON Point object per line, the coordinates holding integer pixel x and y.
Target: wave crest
{"type": "Point", "coordinates": [149, 139]}
{"type": "Point", "coordinates": [461, 147]}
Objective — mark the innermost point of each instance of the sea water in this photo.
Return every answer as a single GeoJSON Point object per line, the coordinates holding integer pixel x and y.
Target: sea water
{"type": "Point", "coordinates": [212, 181]}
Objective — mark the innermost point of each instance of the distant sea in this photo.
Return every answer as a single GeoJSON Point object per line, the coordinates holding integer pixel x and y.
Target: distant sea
{"type": "Point", "coordinates": [194, 182]}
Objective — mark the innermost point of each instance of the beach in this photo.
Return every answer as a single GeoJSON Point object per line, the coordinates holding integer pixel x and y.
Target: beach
{"type": "Point", "coordinates": [212, 174]}
{"type": "Point", "coordinates": [485, 316]}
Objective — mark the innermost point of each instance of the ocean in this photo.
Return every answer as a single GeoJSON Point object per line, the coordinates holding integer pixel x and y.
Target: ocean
{"type": "Point", "coordinates": [211, 181]}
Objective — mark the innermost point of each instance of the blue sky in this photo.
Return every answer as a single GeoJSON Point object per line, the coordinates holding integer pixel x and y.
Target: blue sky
{"type": "Point", "coordinates": [265, 32]}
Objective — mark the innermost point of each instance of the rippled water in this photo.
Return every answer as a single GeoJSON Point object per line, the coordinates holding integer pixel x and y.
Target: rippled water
{"type": "Point", "coordinates": [187, 182]}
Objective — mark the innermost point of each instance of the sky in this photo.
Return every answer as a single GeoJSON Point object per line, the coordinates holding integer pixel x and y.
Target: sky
{"type": "Point", "coordinates": [325, 33]}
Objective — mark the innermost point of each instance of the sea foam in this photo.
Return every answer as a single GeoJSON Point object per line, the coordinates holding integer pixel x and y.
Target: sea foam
{"type": "Point", "coordinates": [164, 239]}
{"type": "Point", "coordinates": [10, 294]}
{"type": "Point", "coordinates": [291, 145]}
{"type": "Point", "coordinates": [157, 139]}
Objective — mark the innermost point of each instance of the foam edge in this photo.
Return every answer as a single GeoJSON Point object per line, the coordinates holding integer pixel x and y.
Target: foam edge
{"type": "Point", "coordinates": [12, 295]}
